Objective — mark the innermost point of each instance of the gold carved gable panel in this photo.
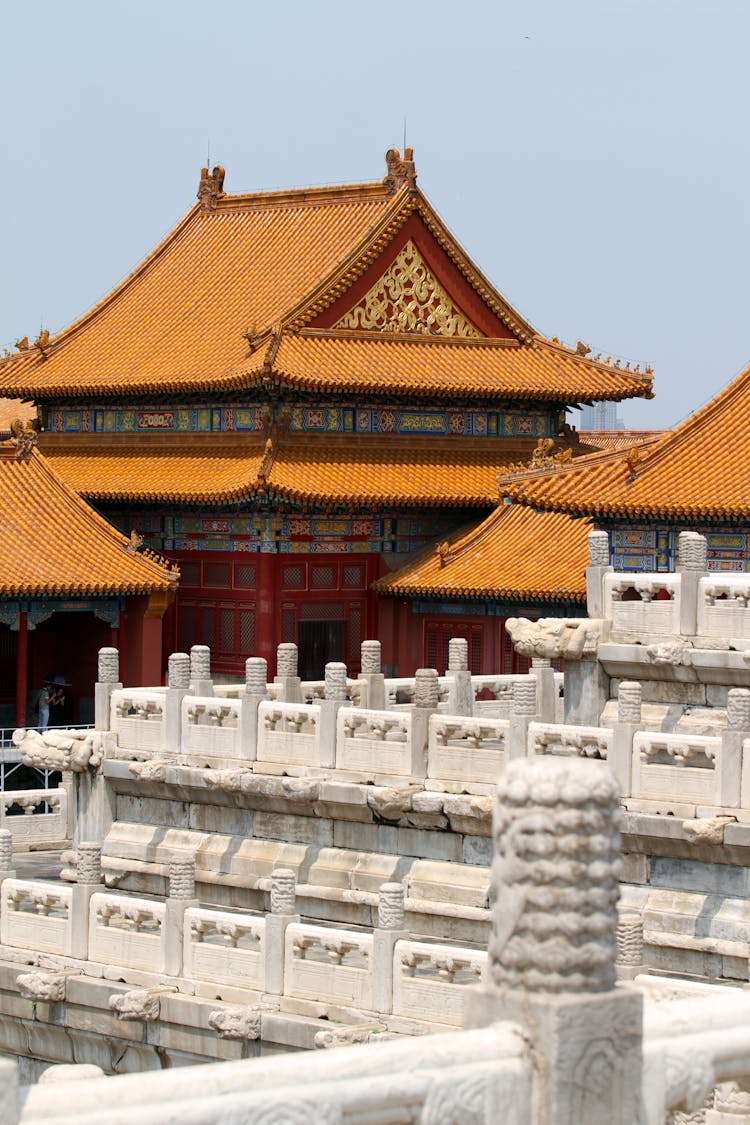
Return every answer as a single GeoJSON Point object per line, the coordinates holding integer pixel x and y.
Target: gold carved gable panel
{"type": "Point", "coordinates": [408, 298]}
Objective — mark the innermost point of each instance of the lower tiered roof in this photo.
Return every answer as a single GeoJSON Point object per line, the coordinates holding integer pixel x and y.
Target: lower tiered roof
{"type": "Point", "coordinates": [516, 554]}
{"type": "Point", "coordinates": [345, 471]}
{"type": "Point", "coordinates": [53, 544]}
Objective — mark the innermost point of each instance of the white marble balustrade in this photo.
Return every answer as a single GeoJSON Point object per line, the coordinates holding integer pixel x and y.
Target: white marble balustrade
{"type": "Point", "coordinates": [36, 916]}
{"type": "Point", "coordinates": [289, 733]}
{"type": "Point", "coordinates": [651, 612]}
{"type": "Point", "coordinates": [137, 717]}
{"type": "Point", "coordinates": [334, 963]}
{"type": "Point", "coordinates": [374, 740]}
{"type": "Point", "coordinates": [677, 767]}
{"type": "Point", "coordinates": [429, 981]}
{"type": "Point", "coordinates": [462, 749]}
{"type": "Point", "coordinates": [211, 726]}
{"type": "Point", "coordinates": [224, 948]}
{"type": "Point", "coordinates": [38, 816]}
{"type": "Point", "coordinates": [127, 931]}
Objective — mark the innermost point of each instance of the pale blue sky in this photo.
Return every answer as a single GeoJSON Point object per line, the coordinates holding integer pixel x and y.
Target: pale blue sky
{"type": "Point", "coordinates": [591, 155]}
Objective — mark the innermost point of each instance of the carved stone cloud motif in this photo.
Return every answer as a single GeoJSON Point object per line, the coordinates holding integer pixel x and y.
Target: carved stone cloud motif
{"type": "Point", "coordinates": [409, 298]}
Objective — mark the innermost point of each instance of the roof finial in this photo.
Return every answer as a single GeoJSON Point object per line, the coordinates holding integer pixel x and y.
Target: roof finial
{"type": "Point", "coordinates": [400, 172]}
{"type": "Point", "coordinates": [211, 187]}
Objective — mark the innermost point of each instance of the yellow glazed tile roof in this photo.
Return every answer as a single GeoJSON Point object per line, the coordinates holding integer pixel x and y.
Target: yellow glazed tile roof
{"type": "Point", "coordinates": [195, 315]}
{"type": "Point", "coordinates": [618, 439]}
{"type": "Point", "coordinates": [697, 471]}
{"type": "Point", "coordinates": [53, 544]}
{"type": "Point", "coordinates": [431, 366]}
{"type": "Point", "coordinates": [168, 473]}
{"type": "Point", "coordinates": [340, 470]}
{"type": "Point", "coordinates": [453, 472]}
{"type": "Point", "coordinates": [516, 554]}
{"type": "Point", "coordinates": [178, 320]}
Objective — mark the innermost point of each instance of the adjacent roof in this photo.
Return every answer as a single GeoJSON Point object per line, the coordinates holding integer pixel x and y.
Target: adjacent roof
{"type": "Point", "coordinates": [348, 471]}
{"type": "Point", "coordinates": [697, 471]}
{"type": "Point", "coordinates": [219, 303]}
{"type": "Point", "coordinates": [516, 554]}
{"type": "Point", "coordinates": [52, 544]}
{"type": "Point", "coordinates": [619, 439]}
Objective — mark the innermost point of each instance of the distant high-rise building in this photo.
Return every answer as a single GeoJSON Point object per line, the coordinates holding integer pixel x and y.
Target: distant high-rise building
{"type": "Point", "coordinates": [601, 416]}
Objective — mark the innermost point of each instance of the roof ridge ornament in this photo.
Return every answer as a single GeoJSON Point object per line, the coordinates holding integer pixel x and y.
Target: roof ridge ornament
{"type": "Point", "coordinates": [211, 187]}
{"type": "Point", "coordinates": [25, 435]}
{"type": "Point", "coordinates": [400, 172]}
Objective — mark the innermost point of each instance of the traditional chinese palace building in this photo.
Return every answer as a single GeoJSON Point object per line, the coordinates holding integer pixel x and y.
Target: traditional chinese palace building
{"type": "Point", "coordinates": [290, 397]}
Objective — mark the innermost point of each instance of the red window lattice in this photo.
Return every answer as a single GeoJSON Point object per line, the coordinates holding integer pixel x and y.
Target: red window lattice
{"type": "Point", "coordinates": [323, 578]}
{"type": "Point", "coordinates": [244, 575]}
{"type": "Point", "coordinates": [288, 625]}
{"type": "Point", "coordinates": [247, 631]}
{"type": "Point", "coordinates": [321, 611]}
{"type": "Point", "coordinates": [353, 578]}
{"type": "Point", "coordinates": [355, 633]}
{"type": "Point", "coordinates": [293, 577]}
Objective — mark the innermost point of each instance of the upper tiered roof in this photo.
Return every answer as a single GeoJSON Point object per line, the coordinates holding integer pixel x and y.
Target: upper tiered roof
{"type": "Point", "coordinates": [698, 471]}
{"type": "Point", "coordinates": [54, 545]}
{"type": "Point", "coordinates": [350, 289]}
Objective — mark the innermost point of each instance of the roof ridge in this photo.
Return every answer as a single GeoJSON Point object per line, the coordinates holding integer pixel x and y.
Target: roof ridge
{"type": "Point", "coordinates": [282, 197]}
{"type": "Point", "coordinates": [645, 376]}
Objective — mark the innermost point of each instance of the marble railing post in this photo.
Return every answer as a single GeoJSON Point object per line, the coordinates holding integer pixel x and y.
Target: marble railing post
{"type": "Point", "coordinates": [283, 894]}
{"type": "Point", "coordinates": [335, 698]}
{"type": "Point", "coordinates": [88, 882]}
{"type": "Point", "coordinates": [692, 553]}
{"type": "Point", "coordinates": [178, 686]}
{"type": "Point", "coordinates": [522, 712]}
{"type": "Point", "coordinates": [256, 675]}
{"type": "Point", "coordinates": [598, 566]}
{"type": "Point", "coordinates": [460, 693]}
{"type": "Point", "coordinates": [200, 670]}
{"type": "Point", "coordinates": [425, 704]}
{"type": "Point", "coordinates": [7, 870]}
{"type": "Point", "coordinates": [181, 896]}
{"type": "Point", "coordinates": [629, 696]}
{"type": "Point", "coordinates": [286, 669]}
{"type": "Point", "coordinates": [551, 964]}
{"type": "Point", "coordinates": [546, 689]}
{"type": "Point", "coordinates": [731, 781]}
{"type": "Point", "coordinates": [391, 928]}
{"type": "Point", "coordinates": [373, 676]}
{"type": "Point", "coordinates": [108, 680]}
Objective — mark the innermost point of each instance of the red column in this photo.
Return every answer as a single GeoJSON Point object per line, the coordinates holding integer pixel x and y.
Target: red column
{"type": "Point", "coordinates": [22, 669]}
{"type": "Point", "coordinates": [267, 632]}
